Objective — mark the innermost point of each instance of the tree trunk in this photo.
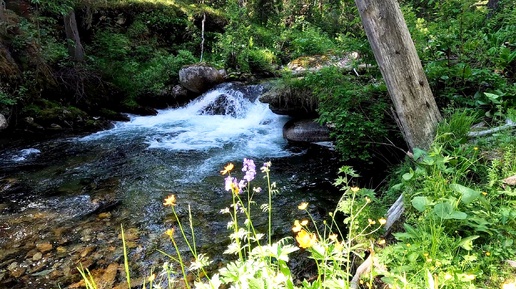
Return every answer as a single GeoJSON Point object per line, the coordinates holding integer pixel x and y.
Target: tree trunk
{"type": "Point", "coordinates": [415, 106]}
{"type": "Point", "coordinates": [75, 49]}
{"type": "Point", "coordinates": [2, 9]}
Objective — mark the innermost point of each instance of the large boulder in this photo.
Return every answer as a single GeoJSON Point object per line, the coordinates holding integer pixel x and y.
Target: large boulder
{"type": "Point", "coordinates": [295, 102]}
{"type": "Point", "coordinates": [3, 122]}
{"type": "Point", "coordinates": [198, 78]}
{"type": "Point", "coordinates": [305, 130]}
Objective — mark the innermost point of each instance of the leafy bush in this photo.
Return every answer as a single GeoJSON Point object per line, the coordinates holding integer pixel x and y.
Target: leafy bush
{"type": "Point", "coordinates": [149, 70]}
{"type": "Point", "coordinates": [309, 40]}
{"type": "Point", "coordinates": [354, 109]}
{"type": "Point", "coordinates": [456, 203]}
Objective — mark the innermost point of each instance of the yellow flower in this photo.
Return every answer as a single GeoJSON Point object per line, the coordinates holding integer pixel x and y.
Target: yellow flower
{"type": "Point", "coordinates": [475, 148]}
{"type": "Point", "coordinates": [170, 232]}
{"type": "Point", "coordinates": [170, 201]}
{"type": "Point", "coordinates": [408, 245]}
{"type": "Point", "coordinates": [371, 222]}
{"type": "Point", "coordinates": [367, 200]}
{"type": "Point", "coordinates": [227, 169]}
{"type": "Point", "coordinates": [151, 278]}
{"type": "Point", "coordinates": [484, 193]}
{"type": "Point", "coordinates": [355, 189]}
{"type": "Point", "coordinates": [305, 239]}
{"type": "Point", "coordinates": [234, 188]}
{"type": "Point", "coordinates": [382, 221]}
{"type": "Point", "coordinates": [333, 237]}
{"type": "Point", "coordinates": [303, 206]}
{"type": "Point", "coordinates": [488, 253]}
{"type": "Point", "coordinates": [469, 277]}
{"type": "Point", "coordinates": [297, 226]}
{"type": "Point", "coordinates": [304, 222]}
{"type": "Point", "coordinates": [381, 242]}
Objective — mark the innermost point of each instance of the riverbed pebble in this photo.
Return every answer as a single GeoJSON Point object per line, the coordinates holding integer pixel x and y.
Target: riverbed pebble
{"type": "Point", "coordinates": [44, 247]}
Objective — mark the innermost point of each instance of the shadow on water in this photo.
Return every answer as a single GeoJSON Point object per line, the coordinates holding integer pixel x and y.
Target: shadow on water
{"type": "Point", "coordinates": [62, 202]}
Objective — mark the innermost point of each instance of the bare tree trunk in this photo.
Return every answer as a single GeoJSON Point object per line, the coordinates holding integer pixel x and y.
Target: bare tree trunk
{"type": "Point", "coordinates": [75, 48]}
{"type": "Point", "coordinates": [2, 10]}
{"type": "Point", "coordinates": [401, 68]}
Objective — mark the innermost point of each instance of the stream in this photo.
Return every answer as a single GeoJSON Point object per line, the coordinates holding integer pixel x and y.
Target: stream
{"type": "Point", "coordinates": [63, 201]}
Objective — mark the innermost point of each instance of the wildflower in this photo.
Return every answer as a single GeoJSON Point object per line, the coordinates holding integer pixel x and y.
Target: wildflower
{"type": "Point", "coordinates": [355, 189]}
{"type": "Point", "coordinates": [250, 170]}
{"type": "Point", "coordinates": [266, 167]}
{"type": "Point", "coordinates": [408, 245]}
{"type": "Point", "coordinates": [305, 239]}
{"type": "Point", "coordinates": [367, 199]}
{"type": "Point", "coordinates": [484, 193]}
{"type": "Point", "coordinates": [151, 278]}
{"type": "Point", "coordinates": [448, 276]}
{"type": "Point", "coordinates": [257, 189]}
{"type": "Point", "coordinates": [242, 184]}
{"type": "Point", "coordinates": [227, 169]}
{"type": "Point", "coordinates": [333, 237]}
{"type": "Point", "coordinates": [303, 206]}
{"type": "Point", "coordinates": [382, 221]}
{"type": "Point", "coordinates": [488, 253]}
{"type": "Point", "coordinates": [232, 185]}
{"type": "Point", "coordinates": [225, 210]}
{"type": "Point", "coordinates": [297, 226]}
{"type": "Point", "coordinates": [170, 232]}
{"type": "Point", "coordinates": [469, 277]}
{"type": "Point", "coordinates": [371, 222]}
{"type": "Point", "coordinates": [381, 242]}
{"type": "Point", "coordinates": [475, 148]}
{"type": "Point", "coordinates": [170, 201]}
{"type": "Point", "coordinates": [304, 222]}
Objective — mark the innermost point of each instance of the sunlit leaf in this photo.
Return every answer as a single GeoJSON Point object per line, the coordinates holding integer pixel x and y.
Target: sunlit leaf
{"type": "Point", "coordinates": [420, 203]}
{"type": "Point", "coordinates": [467, 243]}
{"type": "Point", "coordinates": [468, 194]}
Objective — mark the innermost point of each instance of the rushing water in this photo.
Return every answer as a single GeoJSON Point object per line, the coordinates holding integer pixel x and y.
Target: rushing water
{"type": "Point", "coordinates": [62, 201]}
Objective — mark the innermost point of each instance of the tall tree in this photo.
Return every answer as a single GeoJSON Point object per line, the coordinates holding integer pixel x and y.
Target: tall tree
{"type": "Point", "coordinates": [75, 49]}
{"type": "Point", "coordinates": [416, 111]}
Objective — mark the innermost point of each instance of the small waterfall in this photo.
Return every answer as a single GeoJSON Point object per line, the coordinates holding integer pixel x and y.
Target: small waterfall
{"type": "Point", "coordinates": [224, 124]}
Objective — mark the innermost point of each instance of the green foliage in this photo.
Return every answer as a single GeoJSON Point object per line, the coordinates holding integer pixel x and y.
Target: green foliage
{"type": "Point", "coordinates": [467, 52]}
{"type": "Point", "coordinates": [355, 109]}
{"type": "Point", "coordinates": [6, 99]}
{"type": "Point", "coordinates": [138, 69]}
{"type": "Point", "coordinates": [456, 203]}
{"type": "Point", "coordinates": [56, 6]}
{"type": "Point", "coordinates": [306, 39]}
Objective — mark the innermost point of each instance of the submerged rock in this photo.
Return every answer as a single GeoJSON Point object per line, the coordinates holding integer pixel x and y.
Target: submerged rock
{"type": "Point", "coordinates": [305, 131]}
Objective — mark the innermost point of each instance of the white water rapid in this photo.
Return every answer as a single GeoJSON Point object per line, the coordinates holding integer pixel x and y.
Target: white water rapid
{"type": "Point", "coordinates": [224, 124]}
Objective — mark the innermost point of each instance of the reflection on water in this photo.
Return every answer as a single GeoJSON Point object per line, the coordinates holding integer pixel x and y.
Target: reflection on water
{"type": "Point", "coordinates": [62, 202]}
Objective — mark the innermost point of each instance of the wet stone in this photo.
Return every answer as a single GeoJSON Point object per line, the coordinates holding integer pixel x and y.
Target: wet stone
{"type": "Point", "coordinates": [44, 247]}
{"type": "Point", "coordinates": [105, 215]}
{"type": "Point", "coordinates": [87, 251]}
{"type": "Point", "coordinates": [16, 270]}
{"type": "Point", "coordinates": [37, 256]}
